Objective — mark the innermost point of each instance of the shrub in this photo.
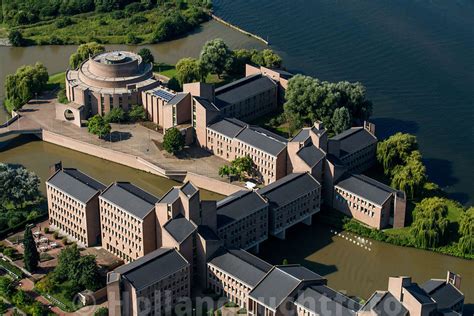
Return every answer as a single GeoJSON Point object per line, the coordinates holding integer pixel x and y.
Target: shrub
{"type": "Point", "coordinates": [63, 22]}
{"type": "Point", "coordinates": [64, 240]}
{"type": "Point", "coordinates": [55, 235]}
{"type": "Point", "coordinates": [62, 98]}
{"type": "Point", "coordinates": [138, 19]}
{"type": "Point", "coordinates": [173, 141]}
{"type": "Point", "coordinates": [46, 230]}
{"type": "Point", "coordinates": [137, 113]}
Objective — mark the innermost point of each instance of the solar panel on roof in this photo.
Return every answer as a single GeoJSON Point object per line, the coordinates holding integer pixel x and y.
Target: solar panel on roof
{"type": "Point", "coordinates": [163, 94]}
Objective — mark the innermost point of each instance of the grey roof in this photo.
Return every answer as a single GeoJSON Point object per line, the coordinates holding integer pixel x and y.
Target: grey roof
{"type": "Point", "coordinates": [274, 288]}
{"type": "Point", "coordinates": [130, 198]}
{"type": "Point", "coordinates": [445, 294]}
{"type": "Point", "coordinates": [178, 97]}
{"type": "Point", "coordinates": [226, 127]}
{"type": "Point", "coordinates": [238, 205]}
{"type": "Point", "coordinates": [289, 188]}
{"type": "Point", "coordinates": [379, 301]}
{"type": "Point", "coordinates": [77, 184]}
{"type": "Point", "coordinates": [242, 265]}
{"type": "Point", "coordinates": [152, 267]}
{"type": "Point", "coordinates": [367, 188]}
{"type": "Point", "coordinates": [301, 136]}
{"type": "Point", "coordinates": [207, 233]}
{"type": "Point", "coordinates": [208, 105]}
{"type": "Point", "coordinates": [242, 89]}
{"type": "Point", "coordinates": [311, 155]}
{"type": "Point", "coordinates": [354, 139]}
{"type": "Point", "coordinates": [171, 196]}
{"type": "Point", "coordinates": [179, 228]}
{"type": "Point", "coordinates": [189, 189]}
{"type": "Point", "coordinates": [321, 299]}
{"type": "Point", "coordinates": [262, 140]}
{"type": "Point", "coordinates": [280, 283]}
{"type": "Point", "coordinates": [283, 73]}
{"type": "Point", "coordinates": [419, 294]}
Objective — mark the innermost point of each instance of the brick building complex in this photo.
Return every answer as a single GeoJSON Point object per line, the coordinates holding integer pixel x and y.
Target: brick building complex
{"type": "Point", "coordinates": [73, 205]}
{"type": "Point", "coordinates": [127, 221]}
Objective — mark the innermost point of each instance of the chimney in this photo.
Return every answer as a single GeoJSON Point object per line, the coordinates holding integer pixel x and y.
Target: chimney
{"type": "Point", "coordinates": [55, 168]}
{"type": "Point", "coordinates": [319, 125]}
{"type": "Point", "coordinates": [396, 285]}
{"type": "Point", "coordinates": [370, 127]}
{"type": "Point", "coordinates": [454, 279]}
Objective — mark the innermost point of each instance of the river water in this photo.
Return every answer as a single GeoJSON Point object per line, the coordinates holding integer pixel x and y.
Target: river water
{"type": "Point", "coordinates": [414, 56]}
{"type": "Point", "coordinates": [347, 266]}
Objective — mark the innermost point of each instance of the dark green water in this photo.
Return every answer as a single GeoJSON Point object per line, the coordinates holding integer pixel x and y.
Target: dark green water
{"type": "Point", "coordinates": [416, 58]}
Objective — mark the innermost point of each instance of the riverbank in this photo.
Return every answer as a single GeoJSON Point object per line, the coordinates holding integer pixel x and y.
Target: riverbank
{"type": "Point", "coordinates": [235, 27]}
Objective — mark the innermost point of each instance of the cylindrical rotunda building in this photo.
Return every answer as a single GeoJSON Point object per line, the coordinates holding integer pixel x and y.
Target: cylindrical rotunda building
{"type": "Point", "coordinates": [109, 80]}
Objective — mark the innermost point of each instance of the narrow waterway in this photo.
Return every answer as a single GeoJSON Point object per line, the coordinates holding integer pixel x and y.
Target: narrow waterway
{"type": "Point", "coordinates": [37, 156]}
{"type": "Point", "coordinates": [359, 271]}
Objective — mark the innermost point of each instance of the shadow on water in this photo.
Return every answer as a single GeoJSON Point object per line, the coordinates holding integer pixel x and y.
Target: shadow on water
{"type": "Point", "coordinates": [441, 172]}
{"type": "Point", "coordinates": [308, 240]}
{"type": "Point", "coordinates": [468, 310]}
{"type": "Point", "coordinates": [386, 126]}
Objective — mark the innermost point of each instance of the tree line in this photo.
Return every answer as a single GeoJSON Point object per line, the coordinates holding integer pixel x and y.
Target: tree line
{"type": "Point", "coordinates": [217, 58]}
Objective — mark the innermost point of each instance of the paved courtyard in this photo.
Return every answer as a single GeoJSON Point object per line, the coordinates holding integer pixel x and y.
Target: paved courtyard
{"type": "Point", "coordinates": [133, 139]}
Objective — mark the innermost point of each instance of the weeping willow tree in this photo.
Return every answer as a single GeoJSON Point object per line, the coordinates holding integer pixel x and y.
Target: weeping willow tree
{"type": "Point", "coordinates": [395, 150]}
{"type": "Point", "coordinates": [466, 231]}
{"type": "Point", "coordinates": [22, 86]}
{"type": "Point", "coordinates": [429, 222]}
{"type": "Point", "coordinates": [410, 177]}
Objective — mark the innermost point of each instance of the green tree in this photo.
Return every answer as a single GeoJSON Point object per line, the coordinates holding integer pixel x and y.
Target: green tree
{"type": "Point", "coordinates": [137, 113]}
{"type": "Point", "coordinates": [216, 57]}
{"type": "Point", "coordinates": [103, 311]}
{"type": "Point", "coordinates": [188, 70]}
{"type": "Point", "coordinates": [429, 222]}
{"type": "Point", "coordinates": [173, 141]}
{"type": "Point", "coordinates": [88, 273]}
{"type": "Point", "coordinates": [309, 99]}
{"type": "Point", "coordinates": [31, 255]}
{"type": "Point", "coordinates": [83, 52]}
{"type": "Point", "coordinates": [243, 165]}
{"type": "Point", "coordinates": [395, 151]}
{"type": "Point", "coordinates": [22, 86]}
{"type": "Point", "coordinates": [146, 55]}
{"type": "Point", "coordinates": [466, 231]}
{"type": "Point", "coordinates": [267, 58]}
{"type": "Point", "coordinates": [7, 287]}
{"type": "Point", "coordinates": [341, 120]}
{"type": "Point", "coordinates": [98, 126]}
{"type": "Point", "coordinates": [411, 177]}
{"type": "Point", "coordinates": [174, 84]}
{"type": "Point", "coordinates": [67, 268]}
{"type": "Point", "coordinates": [18, 185]}
{"type": "Point", "coordinates": [16, 38]}
{"type": "Point", "coordinates": [116, 115]}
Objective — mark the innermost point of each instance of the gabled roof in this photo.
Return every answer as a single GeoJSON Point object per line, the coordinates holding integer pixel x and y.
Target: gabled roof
{"type": "Point", "coordinates": [262, 140]}
{"type": "Point", "coordinates": [354, 139]}
{"type": "Point", "coordinates": [242, 89]}
{"type": "Point", "coordinates": [311, 155]}
{"type": "Point", "coordinates": [189, 189]}
{"type": "Point", "coordinates": [419, 294]}
{"type": "Point", "coordinates": [152, 267]}
{"type": "Point", "coordinates": [227, 127]}
{"type": "Point", "coordinates": [130, 198]}
{"type": "Point", "coordinates": [171, 196]}
{"type": "Point", "coordinates": [280, 283]}
{"type": "Point", "coordinates": [379, 300]}
{"type": "Point", "coordinates": [444, 294]}
{"type": "Point", "coordinates": [178, 98]}
{"type": "Point", "coordinates": [322, 300]}
{"type": "Point", "coordinates": [179, 228]}
{"type": "Point", "coordinates": [76, 184]}
{"type": "Point", "coordinates": [208, 105]}
{"type": "Point", "coordinates": [367, 188]}
{"type": "Point", "coordinates": [289, 188]}
{"type": "Point", "coordinates": [237, 206]}
{"type": "Point", "coordinates": [242, 265]}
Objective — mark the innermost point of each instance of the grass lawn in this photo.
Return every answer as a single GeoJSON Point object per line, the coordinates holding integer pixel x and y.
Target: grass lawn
{"type": "Point", "coordinates": [165, 69]}
{"type": "Point", "coordinates": [282, 129]}
{"type": "Point", "coordinates": [56, 81]}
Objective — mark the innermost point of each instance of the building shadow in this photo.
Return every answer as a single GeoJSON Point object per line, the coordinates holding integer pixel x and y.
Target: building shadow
{"type": "Point", "coordinates": [117, 136]}
{"type": "Point", "coordinates": [440, 171]}
{"type": "Point", "coordinates": [387, 126]}
{"type": "Point", "coordinates": [309, 239]}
